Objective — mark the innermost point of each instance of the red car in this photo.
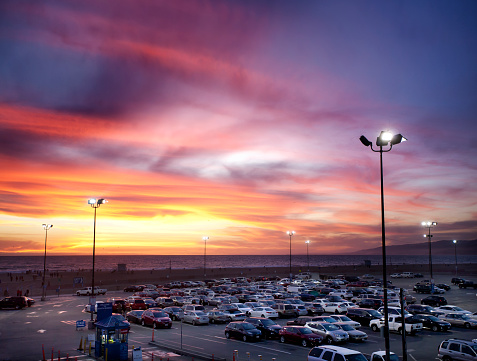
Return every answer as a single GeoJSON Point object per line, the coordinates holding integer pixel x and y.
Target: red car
{"type": "Point", "coordinates": [300, 334]}
{"type": "Point", "coordinates": [156, 318]}
{"type": "Point", "coordinates": [135, 303]}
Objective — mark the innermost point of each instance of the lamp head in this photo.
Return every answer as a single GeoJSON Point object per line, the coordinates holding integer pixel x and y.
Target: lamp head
{"type": "Point", "coordinates": [384, 138]}
{"type": "Point", "coordinates": [365, 141]}
{"type": "Point", "coordinates": [398, 138]}
{"type": "Point", "coordinates": [102, 201]}
{"type": "Point", "coordinates": [307, 242]}
{"type": "Point", "coordinates": [47, 226]}
{"type": "Point", "coordinates": [290, 233]}
{"type": "Point", "coordinates": [205, 238]}
{"type": "Point", "coordinates": [454, 241]}
{"type": "Point", "coordinates": [92, 201]}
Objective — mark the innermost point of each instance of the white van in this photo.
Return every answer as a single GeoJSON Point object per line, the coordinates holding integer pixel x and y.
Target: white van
{"type": "Point", "coordinates": [407, 274]}
{"type": "Point", "coordinates": [323, 353]}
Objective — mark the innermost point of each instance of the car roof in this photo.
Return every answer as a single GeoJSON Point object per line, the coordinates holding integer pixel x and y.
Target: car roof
{"type": "Point", "coordinates": [341, 350]}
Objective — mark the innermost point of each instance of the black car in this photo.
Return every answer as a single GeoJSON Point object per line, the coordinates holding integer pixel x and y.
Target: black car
{"type": "Point", "coordinates": [421, 309]}
{"type": "Point", "coordinates": [133, 288]}
{"type": "Point", "coordinates": [430, 322]}
{"type": "Point", "coordinates": [16, 302]}
{"type": "Point", "coordinates": [444, 286]}
{"type": "Point", "coordinates": [422, 288]}
{"type": "Point", "coordinates": [434, 301]}
{"type": "Point", "coordinates": [175, 313]}
{"type": "Point", "coordinates": [134, 316]}
{"type": "Point", "coordinates": [457, 280]}
{"type": "Point", "coordinates": [269, 328]}
{"type": "Point", "coordinates": [363, 315]}
{"type": "Point", "coordinates": [242, 330]}
{"type": "Point", "coordinates": [306, 297]}
{"type": "Point", "coordinates": [370, 303]}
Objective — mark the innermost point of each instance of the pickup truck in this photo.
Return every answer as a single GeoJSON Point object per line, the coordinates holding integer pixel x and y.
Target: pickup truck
{"type": "Point", "coordinates": [88, 291]}
{"type": "Point", "coordinates": [466, 283]}
{"type": "Point", "coordinates": [395, 324]}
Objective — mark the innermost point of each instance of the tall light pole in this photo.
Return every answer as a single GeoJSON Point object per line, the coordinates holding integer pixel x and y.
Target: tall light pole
{"type": "Point", "coordinates": [384, 139]}
{"type": "Point", "coordinates": [290, 233]}
{"type": "Point", "coordinates": [205, 238]}
{"type": "Point", "coordinates": [46, 227]}
{"type": "Point", "coordinates": [455, 255]}
{"type": "Point", "coordinates": [429, 225]}
{"type": "Point", "coordinates": [95, 203]}
{"type": "Point", "coordinates": [307, 257]}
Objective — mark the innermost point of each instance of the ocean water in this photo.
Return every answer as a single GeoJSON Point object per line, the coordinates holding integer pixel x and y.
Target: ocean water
{"type": "Point", "coordinates": [138, 262]}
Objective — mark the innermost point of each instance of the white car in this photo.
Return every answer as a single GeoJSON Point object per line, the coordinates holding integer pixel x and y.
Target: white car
{"type": "Point", "coordinates": [266, 312]}
{"type": "Point", "coordinates": [241, 307]}
{"type": "Point", "coordinates": [349, 304]}
{"type": "Point", "coordinates": [335, 307]}
{"type": "Point", "coordinates": [451, 309]}
{"type": "Point", "coordinates": [396, 275]}
{"type": "Point", "coordinates": [342, 293]}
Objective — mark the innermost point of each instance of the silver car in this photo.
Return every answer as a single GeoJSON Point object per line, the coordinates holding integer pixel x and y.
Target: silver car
{"type": "Point", "coordinates": [196, 317]}
{"type": "Point", "coordinates": [354, 334]}
{"type": "Point", "coordinates": [234, 315]}
{"type": "Point", "coordinates": [330, 332]}
{"type": "Point", "coordinates": [346, 319]}
{"type": "Point", "coordinates": [460, 319]}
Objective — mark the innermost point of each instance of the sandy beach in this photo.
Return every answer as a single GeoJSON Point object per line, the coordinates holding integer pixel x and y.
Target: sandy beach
{"type": "Point", "coordinates": [68, 281]}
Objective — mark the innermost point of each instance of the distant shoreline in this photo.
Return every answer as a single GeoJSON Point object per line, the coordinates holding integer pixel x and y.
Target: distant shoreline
{"type": "Point", "coordinates": [117, 280]}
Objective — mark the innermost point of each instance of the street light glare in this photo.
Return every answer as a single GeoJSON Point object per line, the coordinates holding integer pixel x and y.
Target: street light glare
{"type": "Point", "coordinates": [454, 241]}
{"type": "Point", "coordinates": [386, 136]}
{"type": "Point", "coordinates": [91, 201]}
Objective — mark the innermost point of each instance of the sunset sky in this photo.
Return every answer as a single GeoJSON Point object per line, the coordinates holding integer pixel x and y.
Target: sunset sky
{"type": "Point", "coordinates": [235, 119]}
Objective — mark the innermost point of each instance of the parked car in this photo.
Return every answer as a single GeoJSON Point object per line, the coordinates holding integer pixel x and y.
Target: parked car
{"type": "Point", "coordinates": [335, 307]}
{"type": "Point", "coordinates": [196, 317]}
{"type": "Point", "coordinates": [269, 328]}
{"type": "Point", "coordinates": [134, 316]}
{"type": "Point", "coordinates": [301, 335]}
{"type": "Point", "coordinates": [422, 288]}
{"type": "Point", "coordinates": [155, 318]}
{"type": "Point", "coordinates": [328, 352]}
{"type": "Point", "coordinates": [444, 286]}
{"type": "Point", "coordinates": [234, 315]}
{"type": "Point", "coordinates": [135, 303]}
{"type": "Point", "coordinates": [363, 315]}
{"type": "Point", "coordinates": [434, 301]}
{"type": "Point", "coordinates": [242, 330]}
{"type": "Point", "coordinates": [455, 349]}
{"type": "Point", "coordinates": [133, 288]}
{"type": "Point", "coordinates": [314, 308]}
{"type": "Point", "coordinates": [457, 280]}
{"type": "Point", "coordinates": [285, 310]}
{"type": "Point", "coordinates": [165, 302]}
{"type": "Point", "coordinates": [347, 320]}
{"type": "Point", "coordinates": [266, 312]}
{"type": "Point", "coordinates": [452, 309]}
{"type": "Point", "coordinates": [15, 302]}
{"type": "Point", "coordinates": [431, 322]}
{"type": "Point", "coordinates": [354, 334]}
{"type": "Point", "coordinates": [370, 303]}
{"type": "Point", "coordinates": [461, 319]}
{"type": "Point", "coordinates": [329, 331]}
{"type": "Point", "coordinates": [216, 316]}
{"type": "Point", "coordinates": [422, 309]}
{"type": "Point", "coordinates": [175, 313]}
{"type": "Point", "coordinates": [393, 311]}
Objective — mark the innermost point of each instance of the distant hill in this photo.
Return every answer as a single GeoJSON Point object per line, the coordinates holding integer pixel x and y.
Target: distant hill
{"type": "Point", "coordinates": [439, 248]}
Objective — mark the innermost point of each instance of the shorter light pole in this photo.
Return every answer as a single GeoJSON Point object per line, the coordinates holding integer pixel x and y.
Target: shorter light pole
{"type": "Point", "coordinates": [290, 233]}
{"type": "Point", "coordinates": [94, 204]}
{"type": "Point", "coordinates": [455, 255]}
{"type": "Point", "coordinates": [205, 238]}
{"type": "Point", "coordinates": [429, 225]}
{"type": "Point", "coordinates": [46, 227]}
{"type": "Point", "coordinates": [307, 256]}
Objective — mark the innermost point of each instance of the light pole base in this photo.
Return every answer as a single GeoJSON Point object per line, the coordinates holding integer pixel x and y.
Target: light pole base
{"type": "Point", "coordinates": [91, 325]}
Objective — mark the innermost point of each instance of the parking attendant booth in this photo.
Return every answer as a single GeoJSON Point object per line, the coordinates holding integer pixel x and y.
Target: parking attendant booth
{"type": "Point", "coordinates": [112, 337]}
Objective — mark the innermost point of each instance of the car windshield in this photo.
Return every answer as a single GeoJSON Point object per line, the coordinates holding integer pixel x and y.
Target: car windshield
{"type": "Point", "coordinates": [467, 317]}
{"type": "Point", "coordinates": [268, 322]}
{"type": "Point", "coordinates": [432, 318]}
{"type": "Point", "coordinates": [160, 314]}
{"type": "Point", "coordinates": [375, 313]}
{"type": "Point", "coordinates": [330, 327]}
{"type": "Point", "coordinates": [455, 308]}
{"type": "Point", "coordinates": [347, 327]}
{"type": "Point", "coordinates": [248, 326]}
{"type": "Point", "coordinates": [345, 318]}
{"type": "Point", "coordinates": [356, 357]}
{"type": "Point", "coordinates": [305, 331]}
{"type": "Point", "coordinates": [200, 313]}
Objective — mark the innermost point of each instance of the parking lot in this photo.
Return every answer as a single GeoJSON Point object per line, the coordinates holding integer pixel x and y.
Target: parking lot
{"type": "Point", "coordinates": [51, 325]}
